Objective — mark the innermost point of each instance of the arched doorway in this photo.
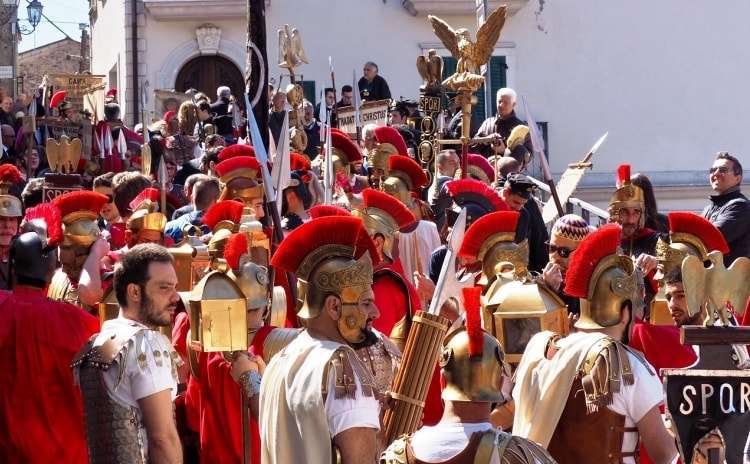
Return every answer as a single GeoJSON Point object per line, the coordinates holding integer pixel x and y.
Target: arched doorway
{"type": "Point", "coordinates": [206, 73]}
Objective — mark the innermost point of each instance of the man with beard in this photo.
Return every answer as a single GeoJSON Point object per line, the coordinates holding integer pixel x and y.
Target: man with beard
{"type": "Point", "coordinates": [566, 235]}
{"type": "Point", "coordinates": [79, 280]}
{"type": "Point", "coordinates": [41, 415]}
{"type": "Point", "coordinates": [627, 208]}
{"type": "Point", "coordinates": [11, 211]}
{"type": "Point", "coordinates": [621, 392]}
{"type": "Point", "coordinates": [316, 395]}
{"type": "Point", "coordinates": [128, 372]}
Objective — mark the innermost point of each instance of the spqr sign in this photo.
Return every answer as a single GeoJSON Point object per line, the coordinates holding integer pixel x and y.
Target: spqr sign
{"type": "Point", "coordinates": [50, 193]}
{"type": "Point", "coordinates": [701, 400]}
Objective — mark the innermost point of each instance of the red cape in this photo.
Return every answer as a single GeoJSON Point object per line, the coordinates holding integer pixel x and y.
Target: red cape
{"type": "Point", "coordinates": [390, 297]}
{"type": "Point", "coordinates": [41, 413]}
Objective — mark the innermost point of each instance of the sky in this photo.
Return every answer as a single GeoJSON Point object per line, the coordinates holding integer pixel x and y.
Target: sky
{"type": "Point", "coordinates": [65, 13]}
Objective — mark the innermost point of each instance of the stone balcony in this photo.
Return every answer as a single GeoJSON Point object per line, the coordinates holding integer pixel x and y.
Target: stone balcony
{"type": "Point", "coordinates": [177, 10]}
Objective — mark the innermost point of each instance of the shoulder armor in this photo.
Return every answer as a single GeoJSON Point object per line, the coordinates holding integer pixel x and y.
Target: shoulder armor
{"type": "Point", "coordinates": [396, 452]}
{"type": "Point", "coordinates": [604, 370]}
{"type": "Point", "coordinates": [346, 364]}
{"type": "Point", "coordinates": [277, 340]}
{"type": "Point", "coordinates": [519, 450]}
{"type": "Point", "coordinates": [391, 347]}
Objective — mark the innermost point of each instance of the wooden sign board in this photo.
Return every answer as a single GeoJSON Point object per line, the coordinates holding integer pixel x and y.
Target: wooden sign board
{"type": "Point", "coordinates": [369, 113]}
{"type": "Point", "coordinates": [701, 400]}
{"type": "Point", "coordinates": [50, 192]}
{"type": "Point", "coordinates": [84, 91]}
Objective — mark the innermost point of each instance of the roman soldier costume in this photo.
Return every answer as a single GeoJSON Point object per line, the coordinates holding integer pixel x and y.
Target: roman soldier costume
{"type": "Point", "coordinates": [239, 176]}
{"type": "Point", "coordinates": [345, 154]}
{"type": "Point", "coordinates": [550, 409]}
{"type": "Point", "coordinates": [472, 365]}
{"type": "Point", "coordinates": [41, 414]}
{"type": "Point", "coordinates": [628, 195]}
{"type": "Point", "coordinates": [304, 384]}
{"type": "Point", "coordinates": [10, 207]}
{"type": "Point", "coordinates": [478, 168]}
{"type": "Point", "coordinates": [80, 211]}
{"type": "Point", "coordinates": [394, 294]}
{"type": "Point", "coordinates": [515, 306]}
{"type": "Point", "coordinates": [389, 142]}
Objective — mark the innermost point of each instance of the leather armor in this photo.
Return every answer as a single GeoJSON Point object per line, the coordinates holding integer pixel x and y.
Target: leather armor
{"type": "Point", "coordinates": [112, 429]}
{"type": "Point", "coordinates": [381, 360]}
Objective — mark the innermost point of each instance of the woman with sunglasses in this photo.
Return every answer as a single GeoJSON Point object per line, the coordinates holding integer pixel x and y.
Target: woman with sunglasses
{"type": "Point", "coordinates": [567, 233]}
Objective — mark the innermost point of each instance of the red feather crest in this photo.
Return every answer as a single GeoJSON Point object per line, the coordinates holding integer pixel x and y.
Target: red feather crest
{"type": "Point", "coordinates": [50, 215]}
{"type": "Point", "coordinates": [481, 162]}
{"type": "Point", "coordinates": [10, 174]}
{"type": "Point", "coordinates": [410, 168]}
{"type": "Point", "coordinates": [57, 98]}
{"type": "Point", "coordinates": [394, 208]}
{"type": "Point", "coordinates": [227, 210]}
{"type": "Point", "coordinates": [387, 134]}
{"type": "Point", "coordinates": [327, 210]}
{"type": "Point", "coordinates": [237, 162]}
{"type": "Point", "coordinates": [623, 175]}
{"type": "Point", "coordinates": [473, 320]}
{"type": "Point", "coordinates": [310, 236]}
{"type": "Point", "coordinates": [80, 200]}
{"type": "Point", "coordinates": [470, 189]}
{"type": "Point", "coordinates": [484, 228]}
{"type": "Point", "coordinates": [236, 150]}
{"type": "Point", "coordinates": [691, 223]}
{"type": "Point", "coordinates": [150, 194]}
{"type": "Point", "coordinates": [236, 246]}
{"type": "Point", "coordinates": [342, 142]}
{"type": "Point", "coordinates": [299, 162]}
{"type": "Point", "coordinates": [595, 247]}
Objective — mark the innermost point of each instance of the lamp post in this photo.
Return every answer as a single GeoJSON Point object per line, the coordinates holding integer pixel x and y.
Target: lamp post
{"type": "Point", "coordinates": [10, 28]}
{"type": "Point", "coordinates": [34, 11]}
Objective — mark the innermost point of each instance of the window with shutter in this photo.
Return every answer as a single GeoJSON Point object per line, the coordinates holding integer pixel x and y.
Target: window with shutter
{"type": "Point", "coordinates": [498, 69]}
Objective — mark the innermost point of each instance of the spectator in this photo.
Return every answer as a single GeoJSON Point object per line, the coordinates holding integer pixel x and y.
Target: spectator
{"type": "Point", "coordinates": [437, 197]}
{"type": "Point", "coordinates": [108, 214]}
{"type": "Point", "coordinates": [173, 189]}
{"type": "Point", "coordinates": [222, 117]}
{"type": "Point", "coordinates": [398, 114]}
{"type": "Point", "coordinates": [729, 209]}
{"type": "Point", "coordinates": [347, 97]}
{"type": "Point", "coordinates": [330, 99]}
{"type": "Point", "coordinates": [372, 87]}
{"type": "Point", "coordinates": [36, 169]}
{"type": "Point", "coordinates": [6, 109]}
{"type": "Point", "coordinates": [9, 141]}
{"type": "Point", "coordinates": [205, 193]}
{"type": "Point", "coordinates": [276, 115]}
{"type": "Point", "coordinates": [32, 193]}
{"type": "Point", "coordinates": [517, 195]}
{"type": "Point", "coordinates": [188, 192]}
{"type": "Point", "coordinates": [502, 124]}
{"type": "Point", "coordinates": [312, 129]}
{"type": "Point", "coordinates": [210, 159]}
{"type": "Point", "coordinates": [204, 119]}
{"type": "Point", "coordinates": [654, 220]}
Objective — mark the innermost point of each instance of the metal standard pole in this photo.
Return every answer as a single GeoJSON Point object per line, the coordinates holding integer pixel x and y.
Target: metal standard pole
{"type": "Point", "coordinates": [483, 10]}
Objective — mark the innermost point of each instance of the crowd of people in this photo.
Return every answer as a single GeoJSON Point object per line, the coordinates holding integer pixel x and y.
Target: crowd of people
{"type": "Point", "coordinates": [331, 293]}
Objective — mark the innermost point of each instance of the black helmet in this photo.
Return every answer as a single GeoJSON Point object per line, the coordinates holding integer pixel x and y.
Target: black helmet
{"type": "Point", "coordinates": [31, 260]}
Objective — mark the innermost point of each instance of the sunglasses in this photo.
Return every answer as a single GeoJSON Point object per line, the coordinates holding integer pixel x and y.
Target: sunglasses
{"type": "Point", "coordinates": [562, 251]}
{"type": "Point", "coordinates": [720, 170]}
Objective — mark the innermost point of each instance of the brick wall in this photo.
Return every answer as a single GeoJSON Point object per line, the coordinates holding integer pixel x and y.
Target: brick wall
{"type": "Point", "coordinates": [48, 59]}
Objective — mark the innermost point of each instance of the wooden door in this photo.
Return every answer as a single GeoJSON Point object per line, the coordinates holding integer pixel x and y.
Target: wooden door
{"type": "Point", "coordinates": [207, 73]}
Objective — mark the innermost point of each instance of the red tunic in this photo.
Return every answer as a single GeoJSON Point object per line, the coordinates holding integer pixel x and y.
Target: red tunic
{"type": "Point", "coordinates": [220, 409]}
{"type": "Point", "coordinates": [394, 294]}
{"type": "Point", "coordinates": [41, 413]}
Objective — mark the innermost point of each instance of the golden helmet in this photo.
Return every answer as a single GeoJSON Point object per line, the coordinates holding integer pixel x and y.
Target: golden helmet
{"type": "Point", "coordinates": [405, 176]}
{"type": "Point", "coordinates": [10, 206]}
{"type": "Point", "coordinates": [603, 279]}
{"type": "Point", "coordinates": [492, 240]}
{"type": "Point", "coordinates": [627, 195]}
{"type": "Point", "coordinates": [383, 215]}
{"type": "Point", "coordinates": [345, 152]}
{"type": "Point", "coordinates": [239, 174]}
{"type": "Point", "coordinates": [145, 212]}
{"type": "Point", "coordinates": [223, 218]}
{"type": "Point", "coordinates": [331, 255]}
{"type": "Point", "coordinates": [80, 211]}
{"type": "Point", "coordinates": [472, 361]}
{"type": "Point", "coordinates": [689, 234]}
{"type": "Point", "coordinates": [389, 142]}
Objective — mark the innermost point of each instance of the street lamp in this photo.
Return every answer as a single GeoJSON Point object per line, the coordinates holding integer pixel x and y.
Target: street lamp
{"type": "Point", "coordinates": [34, 10]}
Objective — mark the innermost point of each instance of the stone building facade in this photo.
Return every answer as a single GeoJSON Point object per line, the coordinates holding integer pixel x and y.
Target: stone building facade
{"type": "Point", "coordinates": [58, 57]}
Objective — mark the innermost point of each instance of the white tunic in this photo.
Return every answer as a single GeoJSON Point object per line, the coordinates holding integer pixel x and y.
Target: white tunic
{"type": "Point", "coordinates": [415, 248]}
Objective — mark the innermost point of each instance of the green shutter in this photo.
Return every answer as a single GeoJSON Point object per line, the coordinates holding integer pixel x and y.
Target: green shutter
{"type": "Point", "coordinates": [498, 69]}
{"type": "Point", "coordinates": [308, 87]}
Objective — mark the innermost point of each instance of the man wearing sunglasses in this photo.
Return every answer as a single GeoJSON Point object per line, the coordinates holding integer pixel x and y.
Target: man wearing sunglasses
{"type": "Point", "coordinates": [729, 209]}
{"type": "Point", "coordinates": [567, 233]}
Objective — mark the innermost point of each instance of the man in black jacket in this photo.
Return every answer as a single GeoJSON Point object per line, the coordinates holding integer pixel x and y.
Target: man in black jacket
{"type": "Point", "coordinates": [372, 86]}
{"type": "Point", "coordinates": [729, 209]}
{"type": "Point", "coordinates": [502, 124]}
{"type": "Point", "coordinates": [222, 117]}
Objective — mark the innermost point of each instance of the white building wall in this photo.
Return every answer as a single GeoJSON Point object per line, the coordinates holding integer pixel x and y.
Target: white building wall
{"type": "Point", "coordinates": [108, 43]}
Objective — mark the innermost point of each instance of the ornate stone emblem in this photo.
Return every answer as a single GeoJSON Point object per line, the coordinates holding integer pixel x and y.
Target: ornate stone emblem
{"type": "Point", "coordinates": [208, 36]}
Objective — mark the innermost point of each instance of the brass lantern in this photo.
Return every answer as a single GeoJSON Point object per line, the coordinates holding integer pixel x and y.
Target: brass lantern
{"type": "Point", "coordinates": [516, 310]}
{"type": "Point", "coordinates": [218, 315]}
